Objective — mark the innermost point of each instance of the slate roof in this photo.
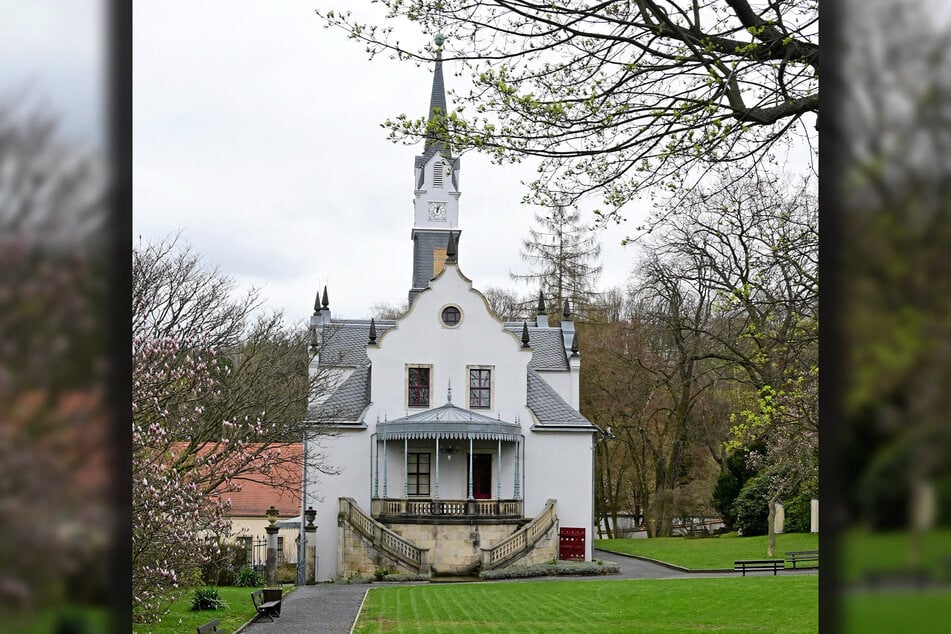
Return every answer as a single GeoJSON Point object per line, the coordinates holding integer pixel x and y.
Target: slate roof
{"type": "Point", "coordinates": [549, 408]}
{"type": "Point", "coordinates": [548, 347]}
{"type": "Point", "coordinates": [349, 399]}
{"type": "Point", "coordinates": [345, 343]}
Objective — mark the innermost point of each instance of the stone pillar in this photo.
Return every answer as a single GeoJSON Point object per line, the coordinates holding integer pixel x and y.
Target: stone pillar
{"type": "Point", "coordinates": [813, 516]}
{"type": "Point", "coordinates": [310, 550]}
{"type": "Point", "coordinates": [779, 523]}
{"type": "Point", "coordinates": [271, 562]}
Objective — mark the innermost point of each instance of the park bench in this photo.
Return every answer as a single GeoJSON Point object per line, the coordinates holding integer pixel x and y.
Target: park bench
{"type": "Point", "coordinates": [267, 602]}
{"type": "Point", "coordinates": [210, 627]}
{"type": "Point", "coordinates": [754, 565]}
{"type": "Point", "coordinates": [796, 556]}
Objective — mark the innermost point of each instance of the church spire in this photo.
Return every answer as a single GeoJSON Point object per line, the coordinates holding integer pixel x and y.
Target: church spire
{"type": "Point", "coordinates": [437, 103]}
{"type": "Point", "coordinates": [436, 195]}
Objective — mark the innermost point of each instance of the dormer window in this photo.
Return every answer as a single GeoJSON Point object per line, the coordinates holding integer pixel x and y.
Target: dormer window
{"type": "Point", "coordinates": [437, 174]}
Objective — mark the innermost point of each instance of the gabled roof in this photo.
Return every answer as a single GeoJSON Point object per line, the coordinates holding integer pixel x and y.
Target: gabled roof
{"type": "Point", "coordinates": [549, 408]}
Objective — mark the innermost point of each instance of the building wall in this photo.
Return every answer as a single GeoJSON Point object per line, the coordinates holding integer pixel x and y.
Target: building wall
{"type": "Point", "coordinates": [555, 465]}
{"type": "Point", "coordinates": [560, 466]}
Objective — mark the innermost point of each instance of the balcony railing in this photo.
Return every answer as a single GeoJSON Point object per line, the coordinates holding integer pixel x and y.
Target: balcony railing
{"type": "Point", "coordinates": [427, 508]}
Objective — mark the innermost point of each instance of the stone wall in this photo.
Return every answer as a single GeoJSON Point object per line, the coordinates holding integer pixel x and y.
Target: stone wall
{"type": "Point", "coordinates": [546, 549]}
{"type": "Point", "coordinates": [453, 549]}
{"type": "Point", "coordinates": [357, 556]}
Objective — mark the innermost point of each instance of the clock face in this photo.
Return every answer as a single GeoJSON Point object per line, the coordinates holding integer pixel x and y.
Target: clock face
{"type": "Point", "coordinates": [437, 211]}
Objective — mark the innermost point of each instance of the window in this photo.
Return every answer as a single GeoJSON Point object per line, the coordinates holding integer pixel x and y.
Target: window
{"type": "Point", "coordinates": [280, 549]}
{"type": "Point", "coordinates": [451, 316]}
{"type": "Point", "coordinates": [417, 474]}
{"type": "Point", "coordinates": [418, 392]}
{"type": "Point", "coordinates": [480, 388]}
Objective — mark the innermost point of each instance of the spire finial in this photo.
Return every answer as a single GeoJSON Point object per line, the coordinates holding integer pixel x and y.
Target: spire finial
{"type": "Point", "coordinates": [317, 303]}
{"type": "Point", "coordinates": [449, 392]}
{"type": "Point", "coordinates": [567, 311]}
{"type": "Point", "coordinates": [541, 303]}
{"type": "Point", "coordinates": [325, 302]}
{"type": "Point", "coordinates": [574, 344]}
{"type": "Point", "coordinates": [525, 334]}
{"type": "Point", "coordinates": [372, 330]}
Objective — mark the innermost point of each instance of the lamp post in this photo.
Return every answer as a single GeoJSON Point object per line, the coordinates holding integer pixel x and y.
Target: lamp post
{"type": "Point", "coordinates": [271, 530]}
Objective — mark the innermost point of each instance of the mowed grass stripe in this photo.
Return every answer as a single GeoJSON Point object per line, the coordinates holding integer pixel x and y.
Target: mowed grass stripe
{"type": "Point", "coordinates": [751, 604]}
{"type": "Point", "coordinates": [715, 553]}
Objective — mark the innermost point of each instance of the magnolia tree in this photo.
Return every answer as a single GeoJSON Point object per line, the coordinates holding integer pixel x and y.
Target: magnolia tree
{"type": "Point", "coordinates": [218, 398]}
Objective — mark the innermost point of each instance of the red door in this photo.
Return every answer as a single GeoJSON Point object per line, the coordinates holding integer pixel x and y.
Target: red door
{"type": "Point", "coordinates": [482, 476]}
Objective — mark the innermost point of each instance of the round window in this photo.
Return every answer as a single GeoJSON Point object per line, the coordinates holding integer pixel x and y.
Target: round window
{"type": "Point", "coordinates": [450, 316]}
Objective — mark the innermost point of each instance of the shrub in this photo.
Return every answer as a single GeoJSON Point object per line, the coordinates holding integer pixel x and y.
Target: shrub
{"type": "Point", "coordinates": [799, 510]}
{"type": "Point", "coordinates": [223, 568]}
{"type": "Point", "coordinates": [752, 506]}
{"type": "Point", "coordinates": [399, 578]}
{"type": "Point", "coordinates": [249, 578]}
{"type": "Point", "coordinates": [560, 568]}
{"type": "Point", "coordinates": [206, 599]}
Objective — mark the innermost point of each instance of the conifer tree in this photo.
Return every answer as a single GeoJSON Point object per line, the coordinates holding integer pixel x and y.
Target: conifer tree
{"type": "Point", "coordinates": [562, 255]}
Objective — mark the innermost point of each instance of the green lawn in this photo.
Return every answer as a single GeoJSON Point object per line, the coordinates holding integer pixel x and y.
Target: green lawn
{"type": "Point", "coordinates": [89, 619]}
{"type": "Point", "coordinates": [872, 612]}
{"type": "Point", "coordinates": [734, 604]}
{"type": "Point", "coordinates": [863, 551]}
{"type": "Point", "coordinates": [711, 553]}
{"type": "Point", "coordinates": [179, 619]}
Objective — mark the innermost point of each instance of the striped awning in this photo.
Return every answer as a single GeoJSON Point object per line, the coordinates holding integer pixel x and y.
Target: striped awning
{"type": "Point", "coordinates": [448, 422]}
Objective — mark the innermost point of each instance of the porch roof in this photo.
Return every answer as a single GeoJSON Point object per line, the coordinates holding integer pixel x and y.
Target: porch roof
{"type": "Point", "coordinates": [449, 422]}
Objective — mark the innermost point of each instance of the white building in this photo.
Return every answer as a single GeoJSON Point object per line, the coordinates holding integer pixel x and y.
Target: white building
{"type": "Point", "coordinates": [458, 436]}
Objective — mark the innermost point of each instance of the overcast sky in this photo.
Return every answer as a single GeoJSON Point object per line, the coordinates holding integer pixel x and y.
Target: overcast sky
{"type": "Point", "coordinates": [257, 135]}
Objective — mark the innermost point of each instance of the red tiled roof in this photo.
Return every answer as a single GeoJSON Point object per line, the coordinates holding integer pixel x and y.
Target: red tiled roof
{"type": "Point", "coordinates": [255, 497]}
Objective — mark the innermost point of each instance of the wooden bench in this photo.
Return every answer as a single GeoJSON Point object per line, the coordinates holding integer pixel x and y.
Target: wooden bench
{"type": "Point", "coordinates": [267, 602]}
{"type": "Point", "coordinates": [754, 565]}
{"type": "Point", "coordinates": [210, 627]}
{"type": "Point", "coordinates": [796, 556]}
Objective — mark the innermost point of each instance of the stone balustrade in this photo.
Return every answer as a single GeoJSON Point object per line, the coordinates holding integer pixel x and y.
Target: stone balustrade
{"type": "Point", "coordinates": [428, 508]}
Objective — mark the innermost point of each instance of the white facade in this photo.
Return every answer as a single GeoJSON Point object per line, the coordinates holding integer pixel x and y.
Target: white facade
{"type": "Point", "coordinates": [409, 426]}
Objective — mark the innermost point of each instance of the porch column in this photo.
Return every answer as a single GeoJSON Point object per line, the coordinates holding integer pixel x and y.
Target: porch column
{"type": "Point", "coordinates": [498, 477]}
{"type": "Point", "coordinates": [470, 467]}
{"type": "Point", "coordinates": [375, 450]}
{"type": "Point", "coordinates": [385, 494]}
{"type": "Point", "coordinates": [405, 468]}
{"type": "Point", "coordinates": [518, 478]}
{"type": "Point", "coordinates": [436, 475]}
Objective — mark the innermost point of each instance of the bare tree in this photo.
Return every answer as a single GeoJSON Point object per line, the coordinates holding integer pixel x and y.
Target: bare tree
{"type": "Point", "coordinates": [219, 397]}
{"type": "Point", "coordinates": [615, 97]}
